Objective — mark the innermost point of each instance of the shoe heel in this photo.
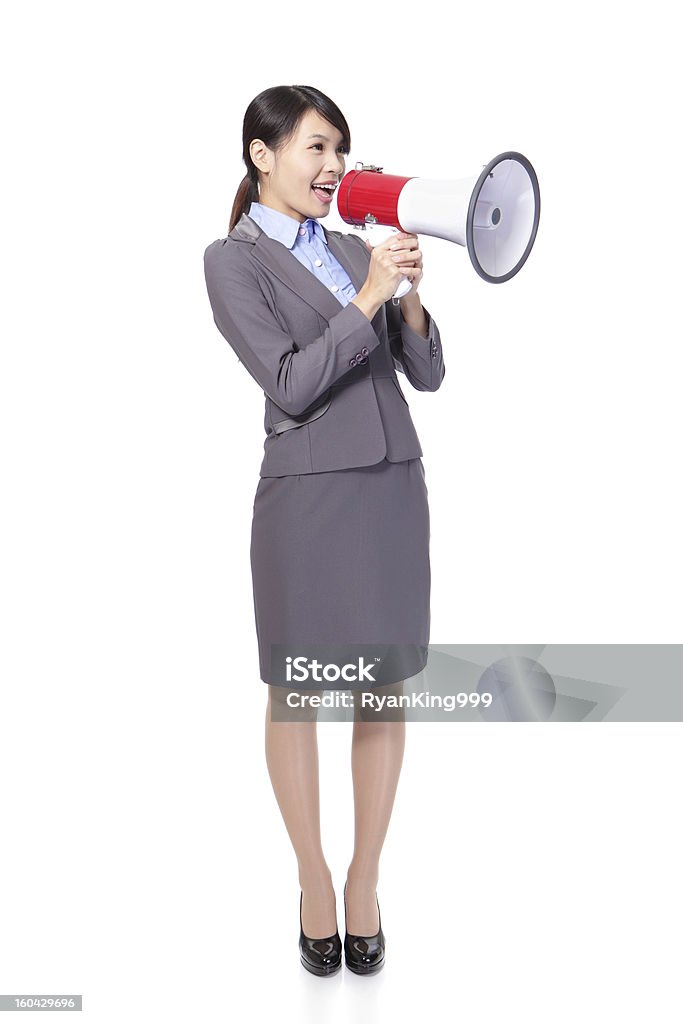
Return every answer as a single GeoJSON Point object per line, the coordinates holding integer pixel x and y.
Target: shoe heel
{"type": "Point", "coordinates": [321, 957]}
{"type": "Point", "coordinates": [364, 954]}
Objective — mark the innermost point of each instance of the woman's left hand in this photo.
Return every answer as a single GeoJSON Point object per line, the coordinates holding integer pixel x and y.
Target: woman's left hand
{"type": "Point", "coordinates": [408, 257]}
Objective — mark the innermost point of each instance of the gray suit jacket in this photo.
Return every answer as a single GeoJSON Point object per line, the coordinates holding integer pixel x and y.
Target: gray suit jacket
{"type": "Point", "coordinates": [333, 400]}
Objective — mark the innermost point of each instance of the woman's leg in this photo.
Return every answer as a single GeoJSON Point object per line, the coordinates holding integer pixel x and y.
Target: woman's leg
{"type": "Point", "coordinates": [376, 758]}
{"type": "Point", "coordinates": [292, 759]}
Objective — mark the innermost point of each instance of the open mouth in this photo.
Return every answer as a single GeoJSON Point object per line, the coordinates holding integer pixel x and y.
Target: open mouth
{"type": "Point", "coordinates": [324, 192]}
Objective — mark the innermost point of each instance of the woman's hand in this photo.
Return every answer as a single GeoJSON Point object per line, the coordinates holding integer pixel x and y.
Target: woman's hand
{"type": "Point", "coordinates": [404, 252]}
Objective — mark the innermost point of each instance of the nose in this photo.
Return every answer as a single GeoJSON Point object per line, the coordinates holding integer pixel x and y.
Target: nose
{"type": "Point", "coordinates": [338, 170]}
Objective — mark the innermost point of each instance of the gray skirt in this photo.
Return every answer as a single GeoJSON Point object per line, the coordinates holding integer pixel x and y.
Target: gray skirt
{"type": "Point", "coordinates": [343, 558]}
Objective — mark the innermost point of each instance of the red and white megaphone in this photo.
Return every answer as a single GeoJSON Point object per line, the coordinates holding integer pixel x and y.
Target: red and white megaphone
{"type": "Point", "coordinates": [495, 213]}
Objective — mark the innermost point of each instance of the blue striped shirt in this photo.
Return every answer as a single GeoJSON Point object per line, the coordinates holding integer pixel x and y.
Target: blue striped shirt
{"type": "Point", "coordinates": [307, 242]}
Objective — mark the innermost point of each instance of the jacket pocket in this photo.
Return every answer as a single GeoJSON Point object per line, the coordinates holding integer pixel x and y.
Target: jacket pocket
{"type": "Point", "coordinates": [398, 388]}
{"type": "Point", "coordinates": [280, 426]}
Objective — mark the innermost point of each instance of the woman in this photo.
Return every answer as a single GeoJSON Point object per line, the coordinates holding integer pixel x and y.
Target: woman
{"type": "Point", "coordinates": [340, 533]}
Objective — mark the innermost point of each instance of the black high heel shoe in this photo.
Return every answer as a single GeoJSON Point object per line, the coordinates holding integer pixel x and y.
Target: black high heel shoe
{"type": "Point", "coordinates": [319, 956]}
{"type": "Point", "coordinates": [364, 954]}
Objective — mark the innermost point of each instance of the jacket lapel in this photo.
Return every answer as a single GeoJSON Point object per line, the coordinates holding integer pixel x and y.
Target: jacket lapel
{"type": "Point", "coordinates": [287, 268]}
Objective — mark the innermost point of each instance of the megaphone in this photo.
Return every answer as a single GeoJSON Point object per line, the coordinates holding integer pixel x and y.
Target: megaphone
{"type": "Point", "coordinates": [494, 213]}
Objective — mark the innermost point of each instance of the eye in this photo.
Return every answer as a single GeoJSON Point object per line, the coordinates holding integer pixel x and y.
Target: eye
{"type": "Point", "coordinates": [342, 148]}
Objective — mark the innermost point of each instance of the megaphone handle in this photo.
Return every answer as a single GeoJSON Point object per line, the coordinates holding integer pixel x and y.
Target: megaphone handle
{"type": "Point", "coordinates": [404, 286]}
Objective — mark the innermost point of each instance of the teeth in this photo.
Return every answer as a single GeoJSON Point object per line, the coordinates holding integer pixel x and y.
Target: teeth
{"type": "Point", "coordinates": [330, 188]}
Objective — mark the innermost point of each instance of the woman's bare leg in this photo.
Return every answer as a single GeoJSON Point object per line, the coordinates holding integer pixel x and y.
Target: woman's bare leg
{"type": "Point", "coordinates": [376, 758]}
{"type": "Point", "coordinates": [292, 759]}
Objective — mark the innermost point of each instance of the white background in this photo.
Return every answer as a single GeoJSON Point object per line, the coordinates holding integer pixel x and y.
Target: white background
{"type": "Point", "coordinates": [529, 872]}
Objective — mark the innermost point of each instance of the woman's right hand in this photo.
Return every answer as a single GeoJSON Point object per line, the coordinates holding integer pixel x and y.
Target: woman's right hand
{"type": "Point", "coordinates": [385, 273]}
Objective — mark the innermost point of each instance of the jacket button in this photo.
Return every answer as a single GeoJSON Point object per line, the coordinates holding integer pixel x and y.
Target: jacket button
{"type": "Point", "coordinates": [352, 361]}
{"type": "Point", "coordinates": [364, 351]}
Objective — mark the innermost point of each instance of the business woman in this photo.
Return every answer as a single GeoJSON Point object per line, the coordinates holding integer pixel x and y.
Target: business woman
{"type": "Point", "coordinates": [340, 531]}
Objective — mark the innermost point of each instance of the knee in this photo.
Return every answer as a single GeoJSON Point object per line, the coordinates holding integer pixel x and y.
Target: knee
{"type": "Point", "coordinates": [286, 705]}
{"type": "Point", "coordinates": [381, 704]}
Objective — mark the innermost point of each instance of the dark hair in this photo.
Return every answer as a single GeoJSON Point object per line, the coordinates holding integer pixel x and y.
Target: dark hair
{"type": "Point", "coordinates": [273, 116]}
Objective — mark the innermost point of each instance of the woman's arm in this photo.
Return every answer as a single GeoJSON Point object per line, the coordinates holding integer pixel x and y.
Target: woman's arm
{"type": "Point", "coordinates": [293, 379]}
{"type": "Point", "coordinates": [420, 358]}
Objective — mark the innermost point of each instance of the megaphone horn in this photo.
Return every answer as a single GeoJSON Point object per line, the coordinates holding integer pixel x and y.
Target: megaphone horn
{"type": "Point", "coordinates": [494, 213]}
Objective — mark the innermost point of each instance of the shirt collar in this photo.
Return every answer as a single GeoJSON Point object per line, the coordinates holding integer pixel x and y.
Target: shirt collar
{"type": "Point", "coordinates": [283, 228]}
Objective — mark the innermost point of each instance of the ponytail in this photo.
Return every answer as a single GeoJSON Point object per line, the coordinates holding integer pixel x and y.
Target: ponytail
{"type": "Point", "coordinates": [247, 194]}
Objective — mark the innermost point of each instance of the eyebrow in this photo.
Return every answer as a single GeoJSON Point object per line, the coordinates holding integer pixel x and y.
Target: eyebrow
{"type": "Point", "coordinates": [317, 135]}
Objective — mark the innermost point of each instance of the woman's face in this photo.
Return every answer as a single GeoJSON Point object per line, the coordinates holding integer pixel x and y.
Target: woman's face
{"type": "Point", "coordinates": [286, 180]}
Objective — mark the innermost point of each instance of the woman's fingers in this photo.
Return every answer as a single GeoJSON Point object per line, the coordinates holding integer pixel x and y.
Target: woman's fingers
{"type": "Point", "coordinates": [406, 257]}
{"type": "Point", "coordinates": [403, 241]}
